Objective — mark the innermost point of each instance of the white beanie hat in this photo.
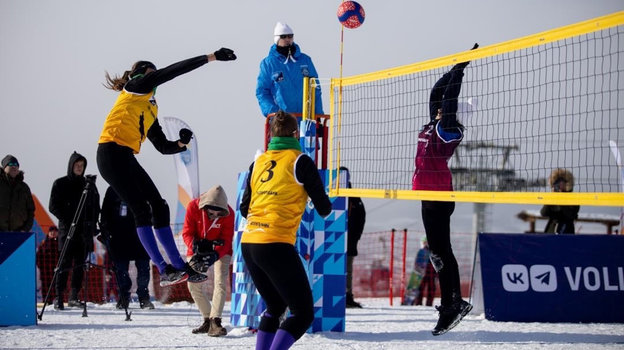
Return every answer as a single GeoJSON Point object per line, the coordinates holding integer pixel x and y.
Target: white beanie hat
{"type": "Point", "coordinates": [280, 29]}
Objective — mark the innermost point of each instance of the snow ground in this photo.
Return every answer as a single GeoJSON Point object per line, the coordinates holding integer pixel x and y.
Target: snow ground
{"type": "Point", "coordinates": [376, 326]}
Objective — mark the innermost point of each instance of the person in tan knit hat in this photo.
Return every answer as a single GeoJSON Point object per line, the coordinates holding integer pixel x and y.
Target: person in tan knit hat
{"type": "Point", "coordinates": [208, 232]}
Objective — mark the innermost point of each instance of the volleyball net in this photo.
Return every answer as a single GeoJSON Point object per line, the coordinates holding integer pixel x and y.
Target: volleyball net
{"type": "Point", "coordinates": [529, 105]}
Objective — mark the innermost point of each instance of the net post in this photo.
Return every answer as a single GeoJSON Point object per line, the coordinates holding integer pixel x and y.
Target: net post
{"type": "Point", "coordinates": [391, 275]}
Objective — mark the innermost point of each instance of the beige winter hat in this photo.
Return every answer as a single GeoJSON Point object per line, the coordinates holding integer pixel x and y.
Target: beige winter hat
{"type": "Point", "coordinates": [215, 198]}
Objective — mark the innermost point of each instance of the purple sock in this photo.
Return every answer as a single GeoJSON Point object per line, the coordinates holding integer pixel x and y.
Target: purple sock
{"type": "Point", "coordinates": [282, 341]}
{"type": "Point", "coordinates": [146, 236]}
{"type": "Point", "coordinates": [165, 237]}
{"type": "Point", "coordinates": [264, 340]}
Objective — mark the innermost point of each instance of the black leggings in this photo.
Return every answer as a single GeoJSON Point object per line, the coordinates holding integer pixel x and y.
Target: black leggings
{"type": "Point", "coordinates": [437, 221]}
{"type": "Point", "coordinates": [279, 276]}
{"type": "Point", "coordinates": [126, 176]}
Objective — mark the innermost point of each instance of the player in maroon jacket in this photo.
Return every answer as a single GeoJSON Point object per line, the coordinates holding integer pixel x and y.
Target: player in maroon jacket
{"type": "Point", "coordinates": [436, 144]}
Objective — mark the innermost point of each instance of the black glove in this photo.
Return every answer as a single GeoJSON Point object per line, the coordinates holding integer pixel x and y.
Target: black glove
{"type": "Point", "coordinates": [185, 136]}
{"type": "Point", "coordinates": [463, 65]}
{"type": "Point", "coordinates": [203, 246]}
{"type": "Point", "coordinates": [224, 54]}
{"type": "Point", "coordinates": [201, 263]}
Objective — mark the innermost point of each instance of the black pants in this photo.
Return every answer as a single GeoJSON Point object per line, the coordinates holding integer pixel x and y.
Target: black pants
{"type": "Point", "coordinates": [126, 176]}
{"type": "Point", "coordinates": [74, 259]}
{"type": "Point", "coordinates": [437, 221]}
{"type": "Point", "coordinates": [125, 283]}
{"type": "Point", "coordinates": [281, 280]}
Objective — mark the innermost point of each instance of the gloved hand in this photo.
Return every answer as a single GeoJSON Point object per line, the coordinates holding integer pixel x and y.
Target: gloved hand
{"type": "Point", "coordinates": [185, 136]}
{"type": "Point", "coordinates": [203, 246]}
{"type": "Point", "coordinates": [224, 54]}
{"type": "Point", "coordinates": [463, 65]}
{"type": "Point", "coordinates": [201, 263]}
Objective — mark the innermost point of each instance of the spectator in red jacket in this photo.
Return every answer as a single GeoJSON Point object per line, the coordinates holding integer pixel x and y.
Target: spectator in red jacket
{"type": "Point", "coordinates": [47, 258]}
{"type": "Point", "coordinates": [208, 232]}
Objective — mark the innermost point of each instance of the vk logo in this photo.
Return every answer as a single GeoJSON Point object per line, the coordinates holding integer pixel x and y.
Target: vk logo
{"type": "Point", "coordinates": [517, 278]}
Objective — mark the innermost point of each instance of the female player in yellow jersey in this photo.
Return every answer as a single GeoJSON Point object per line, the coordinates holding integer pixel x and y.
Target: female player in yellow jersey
{"type": "Point", "coordinates": [277, 191]}
{"type": "Point", "coordinates": [132, 119]}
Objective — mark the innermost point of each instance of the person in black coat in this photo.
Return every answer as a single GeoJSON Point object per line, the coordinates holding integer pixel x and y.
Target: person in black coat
{"type": "Point", "coordinates": [64, 199]}
{"type": "Point", "coordinates": [356, 218]}
{"type": "Point", "coordinates": [560, 217]}
{"type": "Point", "coordinates": [119, 230]}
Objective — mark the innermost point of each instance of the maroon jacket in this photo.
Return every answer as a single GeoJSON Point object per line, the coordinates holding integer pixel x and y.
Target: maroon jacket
{"type": "Point", "coordinates": [435, 148]}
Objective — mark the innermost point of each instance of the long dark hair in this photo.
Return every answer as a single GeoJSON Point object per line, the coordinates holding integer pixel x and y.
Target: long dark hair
{"type": "Point", "coordinates": [117, 83]}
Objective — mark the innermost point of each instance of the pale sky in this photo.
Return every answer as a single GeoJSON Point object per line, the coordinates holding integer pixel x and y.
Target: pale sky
{"type": "Point", "coordinates": [53, 55]}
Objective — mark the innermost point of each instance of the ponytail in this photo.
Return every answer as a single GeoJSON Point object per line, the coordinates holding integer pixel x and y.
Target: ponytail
{"type": "Point", "coordinates": [117, 83]}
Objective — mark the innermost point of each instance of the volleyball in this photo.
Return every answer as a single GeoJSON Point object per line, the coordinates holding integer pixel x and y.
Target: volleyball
{"type": "Point", "coordinates": [351, 14]}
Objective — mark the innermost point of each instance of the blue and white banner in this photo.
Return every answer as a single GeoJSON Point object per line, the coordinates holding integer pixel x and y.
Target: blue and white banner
{"type": "Point", "coordinates": [187, 166]}
{"type": "Point", "coordinates": [552, 278]}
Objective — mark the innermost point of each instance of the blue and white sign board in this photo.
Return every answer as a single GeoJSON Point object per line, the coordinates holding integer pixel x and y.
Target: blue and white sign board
{"type": "Point", "coordinates": [18, 286]}
{"type": "Point", "coordinates": [552, 278]}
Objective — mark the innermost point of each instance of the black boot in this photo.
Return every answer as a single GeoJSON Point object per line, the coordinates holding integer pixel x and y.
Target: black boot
{"type": "Point", "coordinates": [352, 304]}
{"type": "Point", "coordinates": [216, 329]}
{"type": "Point", "coordinates": [204, 328]}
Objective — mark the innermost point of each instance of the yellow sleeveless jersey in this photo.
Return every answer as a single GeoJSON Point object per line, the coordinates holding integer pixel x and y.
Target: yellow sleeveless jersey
{"type": "Point", "coordinates": [277, 199]}
{"type": "Point", "coordinates": [129, 120]}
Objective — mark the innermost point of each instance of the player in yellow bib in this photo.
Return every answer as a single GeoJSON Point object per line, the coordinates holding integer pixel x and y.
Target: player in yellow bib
{"type": "Point", "coordinates": [132, 119]}
{"type": "Point", "coordinates": [277, 191]}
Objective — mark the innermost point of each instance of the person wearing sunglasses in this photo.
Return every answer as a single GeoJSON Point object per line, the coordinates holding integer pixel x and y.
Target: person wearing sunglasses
{"type": "Point", "coordinates": [280, 81]}
{"type": "Point", "coordinates": [132, 119]}
{"type": "Point", "coordinates": [17, 208]}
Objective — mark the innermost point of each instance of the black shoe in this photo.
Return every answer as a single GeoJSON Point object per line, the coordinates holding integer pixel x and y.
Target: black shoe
{"type": "Point", "coordinates": [58, 304]}
{"type": "Point", "coordinates": [204, 328]}
{"type": "Point", "coordinates": [146, 304]}
{"type": "Point", "coordinates": [172, 276]}
{"type": "Point", "coordinates": [194, 276]}
{"type": "Point", "coordinates": [75, 303]}
{"type": "Point", "coordinates": [352, 304]}
{"type": "Point", "coordinates": [450, 316]}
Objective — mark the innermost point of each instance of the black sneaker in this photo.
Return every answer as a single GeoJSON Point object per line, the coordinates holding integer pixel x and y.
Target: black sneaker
{"type": "Point", "coordinates": [350, 303]}
{"type": "Point", "coordinates": [194, 276]}
{"type": "Point", "coordinates": [172, 276]}
{"type": "Point", "coordinates": [146, 304]}
{"type": "Point", "coordinates": [75, 303]}
{"type": "Point", "coordinates": [58, 304]}
{"type": "Point", "coordinates": [450, 316]}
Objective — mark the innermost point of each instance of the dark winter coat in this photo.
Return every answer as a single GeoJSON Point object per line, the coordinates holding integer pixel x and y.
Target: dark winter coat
{"type": "Point", "coordinates": [64, 199]}
{"type": "Point", "coordinates": [17, 208]}
{"type": "Point", "coordinates": [117, 224]}
{"type": "Point", "coordinates": [560, 217]}
{"type": "Point", "coordinates": [356, 218]}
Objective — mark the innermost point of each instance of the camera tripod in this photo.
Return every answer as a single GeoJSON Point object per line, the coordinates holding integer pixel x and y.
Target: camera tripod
{"type": "Point", "coordinates": [84, 197]}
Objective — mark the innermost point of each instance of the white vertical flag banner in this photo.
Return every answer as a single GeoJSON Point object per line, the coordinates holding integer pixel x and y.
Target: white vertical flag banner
{"type": "Point", "coordinates": [187, 167]}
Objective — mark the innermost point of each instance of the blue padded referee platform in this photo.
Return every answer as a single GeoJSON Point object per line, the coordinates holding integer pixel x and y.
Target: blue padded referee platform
{"type": "Point", "coordinates": [18, 286]}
